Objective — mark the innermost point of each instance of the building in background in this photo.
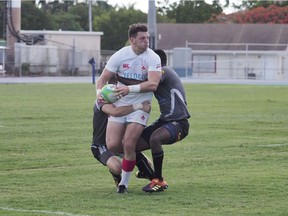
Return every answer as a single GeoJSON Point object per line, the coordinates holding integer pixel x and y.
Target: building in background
{"type": "Point", "coordinates": [234, 51]}
{"type": "Point", "coordinates": [58, 52]}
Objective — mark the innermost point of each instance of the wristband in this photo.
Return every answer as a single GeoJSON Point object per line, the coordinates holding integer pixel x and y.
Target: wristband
{"type": "Point", "coordinates": [134, 88]}
{"type": "Point", "coordinates": [98, 91]}
{"type": "Point", "coordinates": [138, 106]}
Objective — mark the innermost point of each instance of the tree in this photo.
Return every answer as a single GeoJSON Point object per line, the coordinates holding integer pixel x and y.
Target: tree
{"type": "Point", "coordinates": [114, 24]}
{"type": "Point", "coordinates": [34, 18]}
{"type": "Point", "coordinates": [2, 18]}
{"type": "Point", "coordinates": [68, 22]}
{"type": "Point", "coordinates": [163, 7]}
{"type": "Point", "coordinates": [250, 4]}
{"type": "Point", "coordinates": [80, 13]}
{"type": "Point", "coordinates": [271, 14]}
{"type": "Point", "coordinates": [193, 11]}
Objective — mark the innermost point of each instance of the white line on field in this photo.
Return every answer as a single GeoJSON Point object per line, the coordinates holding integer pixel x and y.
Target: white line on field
{"type": "Point", "coordinates": [40, 211]}
{"type": "Point", "coordinates": [274, 145]}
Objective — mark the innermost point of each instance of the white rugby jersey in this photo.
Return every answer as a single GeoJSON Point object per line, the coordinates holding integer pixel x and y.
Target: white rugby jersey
{"type": "Point", "coordinates": [131, 66]}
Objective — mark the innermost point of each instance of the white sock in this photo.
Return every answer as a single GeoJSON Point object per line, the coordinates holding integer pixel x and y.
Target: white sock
{"type": "Point", "coordinates": [125, 177]}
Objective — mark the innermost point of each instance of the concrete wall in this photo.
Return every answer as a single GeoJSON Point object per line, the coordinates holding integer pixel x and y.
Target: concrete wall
{"type": "Point", "coordinates": [75, 49]}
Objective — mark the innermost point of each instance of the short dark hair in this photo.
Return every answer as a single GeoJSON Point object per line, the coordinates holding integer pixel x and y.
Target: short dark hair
{"type": "Point", "coordinates": [162, 56]}
{"type": "Point", "coordinates": [135, 28]}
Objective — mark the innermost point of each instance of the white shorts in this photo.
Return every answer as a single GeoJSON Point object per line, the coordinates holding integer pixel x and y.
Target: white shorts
{"type": "Point", "coordinates": [134, 98]}
{"type": "Point", "coordinates": [138, 116]}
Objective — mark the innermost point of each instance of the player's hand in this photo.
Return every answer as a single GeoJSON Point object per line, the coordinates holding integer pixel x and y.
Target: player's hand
{"type": "Point", "coordinates": [99, 97]}
{"type": "Point", "coordinates": [146, 106]}
{"type": "Point", "coordinates": [122, 91]}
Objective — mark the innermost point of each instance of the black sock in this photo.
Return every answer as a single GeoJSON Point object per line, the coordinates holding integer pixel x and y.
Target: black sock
{"type": "Point", "coordinates": [144, 166]}
{"type": "Point", "coordinates": [158, 162]}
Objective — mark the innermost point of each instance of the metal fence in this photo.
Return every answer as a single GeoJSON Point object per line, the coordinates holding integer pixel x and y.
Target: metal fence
{"type": "Point", "coordinates": [194, 60]}
{"type": "Point", "coordinates": [53, 61]}
{"type": "Point", "coordinates": [233, 61]}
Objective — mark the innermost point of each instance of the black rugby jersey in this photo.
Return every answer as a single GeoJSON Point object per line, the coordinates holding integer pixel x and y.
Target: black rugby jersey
{"type": "Point", "coordinates": [171, 96]}
{"type": "Point", "coordinates": [100, 120]}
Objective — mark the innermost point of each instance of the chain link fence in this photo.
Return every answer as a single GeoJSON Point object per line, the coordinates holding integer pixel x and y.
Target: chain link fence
{"type": "Point", "coordinates": [39, 60]}
{"type": "Point", "coordinates": [251, 61]}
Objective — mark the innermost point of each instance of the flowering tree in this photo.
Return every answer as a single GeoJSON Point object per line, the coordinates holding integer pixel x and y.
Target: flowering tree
{"type": "Point", "coordinates": [271, 14]}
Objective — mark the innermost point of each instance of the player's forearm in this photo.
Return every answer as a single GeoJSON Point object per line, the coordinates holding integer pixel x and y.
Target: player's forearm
{"type": "Point", "coordinates": [148, 86]}
{"type": "Point", "coordinates": [102, 80]}
{"type": "Point", "coordinates": [121, 111]}
{"type": "Point", "coordinates": [114, 111]}
{"type": "Point", "coordinates": [152, 83]}
{"type": "Point", "coordinates": [98, 86]}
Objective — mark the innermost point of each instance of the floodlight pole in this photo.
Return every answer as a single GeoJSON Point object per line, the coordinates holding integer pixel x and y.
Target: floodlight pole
{"type": "Point", "coordinates": [152, 24]}
{"type": "Point", "coordinates": [90, 15]}
{"type": "Point", "coordinates": [13, 27]}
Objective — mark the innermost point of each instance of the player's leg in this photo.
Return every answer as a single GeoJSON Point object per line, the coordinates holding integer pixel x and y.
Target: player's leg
{"type": "Point", "coordinates": [109, 159]}
{"type": "Point", "coordinates": [115, 168]}
{"type": "Point", "coordinates": [157, 138]}
{"type": "Point", "coordinates": [161, 135]}
{"type": "Point", "coordinates": [153, 136]}
{"type": "Point", "coordinates": [168, 133]}
{"type": "Point", "coordinates": [144, 166]}
{"type": "Point", "coordinates": [132, 133]}
{"type": "Point", "coordinates": [142, 144]}
{"type": "Point", "coordinates": [143, 163]}
{"type": "Point", "coordinates": [136, 122]}
{"type": "Point", "coordinates": [114, 135]}
{"type": "Point", "coordinates": [131, 136]}
{"type": "Point", "coordinates": [157, 183]}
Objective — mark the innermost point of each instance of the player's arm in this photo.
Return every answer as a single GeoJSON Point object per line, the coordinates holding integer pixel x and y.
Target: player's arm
{"type": "Point", "coordinates": [111, 109]}
{"type": "Point", "coordinates": [151, 84]}
{"type": "Point", "coordinates": [105, 76]}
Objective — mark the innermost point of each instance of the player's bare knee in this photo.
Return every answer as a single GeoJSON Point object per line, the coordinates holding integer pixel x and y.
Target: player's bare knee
{"type": "Point", "coordinates": [114, 165]}
{"type": "Point", "coordinates": [114, 147]}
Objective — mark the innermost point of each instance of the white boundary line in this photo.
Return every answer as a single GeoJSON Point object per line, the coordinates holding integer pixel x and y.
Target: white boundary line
{"type": "Point", "coordinates": [40, 211]}
{"type": "Point", "coordinates": [273, 145]}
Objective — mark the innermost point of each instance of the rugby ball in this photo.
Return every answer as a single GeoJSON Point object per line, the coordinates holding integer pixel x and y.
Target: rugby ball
{"type": "Point", "coordinates": [108, 93]}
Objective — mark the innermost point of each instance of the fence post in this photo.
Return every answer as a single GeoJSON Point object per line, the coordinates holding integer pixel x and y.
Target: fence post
{"type": "Point", "coordinates": [93, 64]}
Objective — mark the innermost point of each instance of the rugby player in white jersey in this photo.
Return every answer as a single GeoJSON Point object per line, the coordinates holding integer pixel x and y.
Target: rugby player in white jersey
{"type": "Point", "coordinates": [136, 61]}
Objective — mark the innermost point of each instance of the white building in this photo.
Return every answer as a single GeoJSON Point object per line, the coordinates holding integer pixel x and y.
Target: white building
{"type": "Point", "coordinates": [253, 51]}
{"type": "Point", "coordinates": [59, 52]}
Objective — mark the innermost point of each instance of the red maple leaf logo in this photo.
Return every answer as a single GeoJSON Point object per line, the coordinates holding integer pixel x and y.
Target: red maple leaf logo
{"type": "Point", "coordinates": [126, 66]}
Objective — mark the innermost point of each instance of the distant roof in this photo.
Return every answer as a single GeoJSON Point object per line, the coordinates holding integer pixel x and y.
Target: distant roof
{"type": "Point", "coordinates": [268, 36]}
{"type": "Point", "coordinates": [60, 32]}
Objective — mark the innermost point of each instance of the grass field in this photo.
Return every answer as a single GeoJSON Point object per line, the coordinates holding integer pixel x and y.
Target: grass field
{"type": "Point", "coordinates": [234, 161]}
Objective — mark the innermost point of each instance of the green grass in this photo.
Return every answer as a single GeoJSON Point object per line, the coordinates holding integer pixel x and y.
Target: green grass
{"type": "Point", "coordinates": [234, 161]}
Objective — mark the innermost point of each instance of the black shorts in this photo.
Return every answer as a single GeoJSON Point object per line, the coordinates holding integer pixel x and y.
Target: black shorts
{"type": "Point", "coordinates": [178, 130]}
{"type": "Point", "coordinates": [101, 153]}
